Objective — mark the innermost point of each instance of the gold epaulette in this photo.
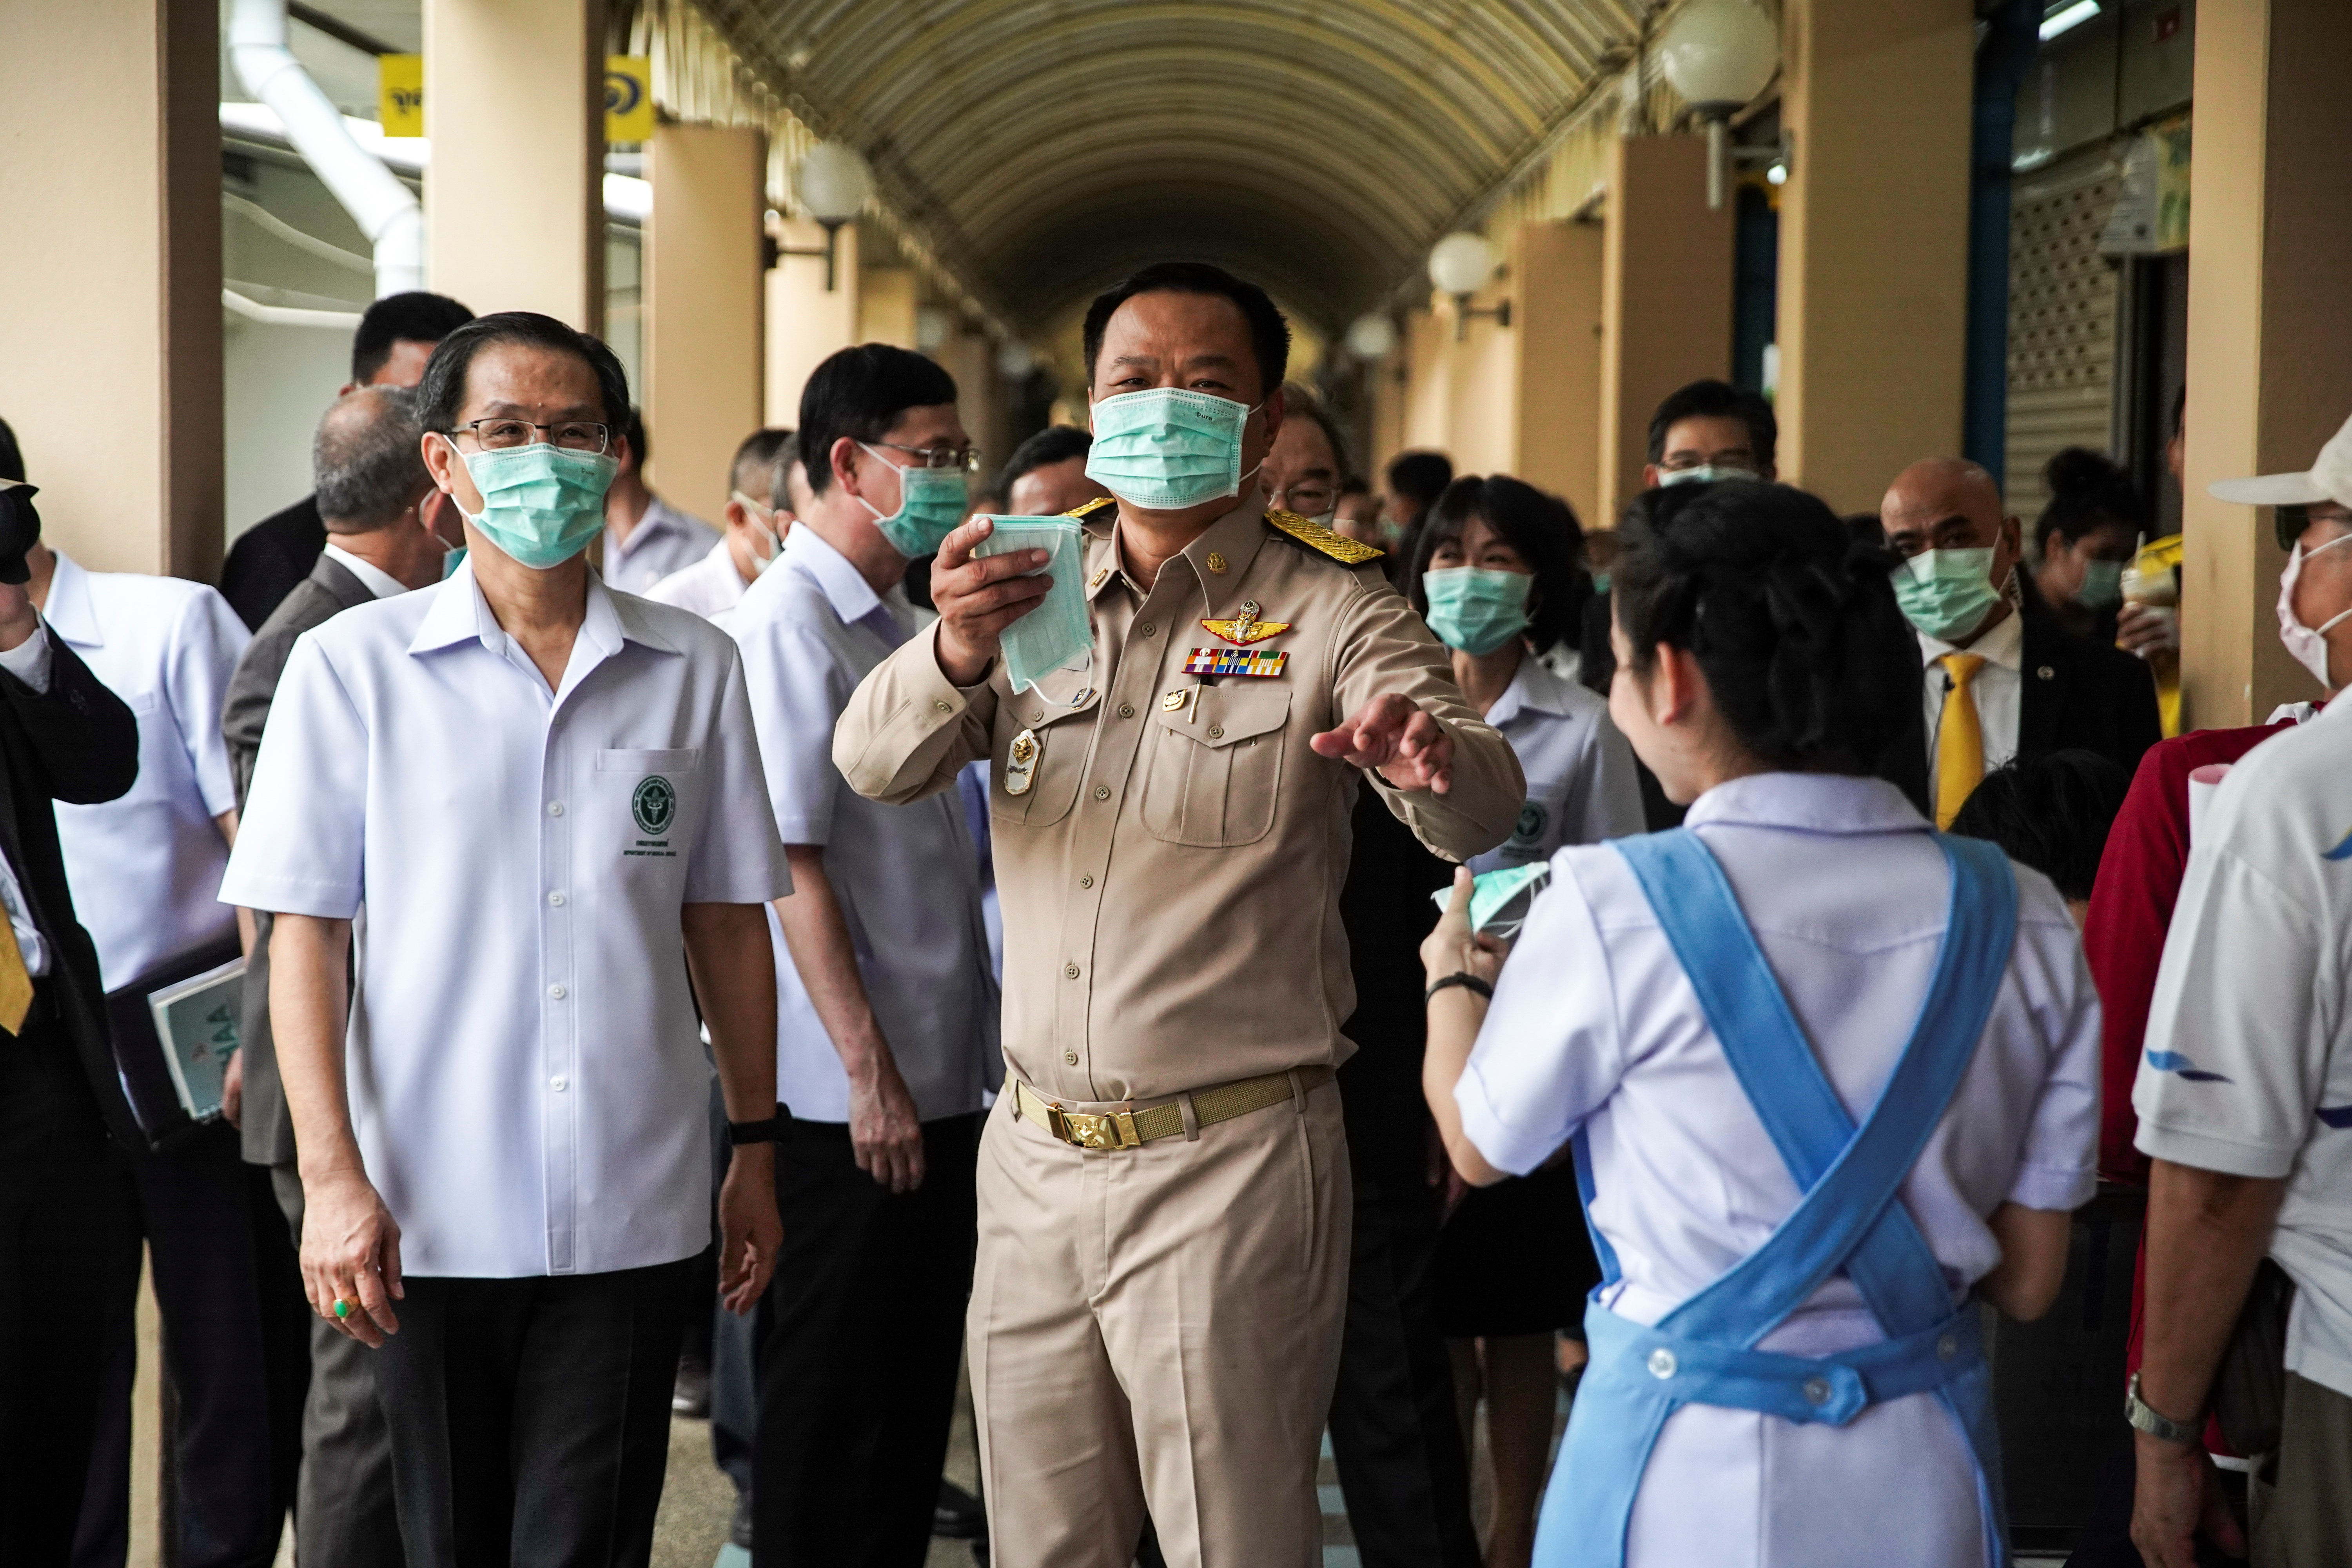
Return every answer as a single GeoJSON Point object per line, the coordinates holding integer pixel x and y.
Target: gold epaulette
{"type": "Point", "coordinates": [1321, 540]}
{"type": "Point", "coordinates": [1091, 507]}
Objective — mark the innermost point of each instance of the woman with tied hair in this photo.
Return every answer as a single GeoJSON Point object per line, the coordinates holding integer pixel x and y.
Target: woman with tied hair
{"type": "Point", "coordinates": [1828, 1078]}
{"type": "Point", "coordinates": [2085, 538]}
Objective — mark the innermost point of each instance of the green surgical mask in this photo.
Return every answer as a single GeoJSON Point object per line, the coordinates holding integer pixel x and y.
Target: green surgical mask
{"type": "Point", "coordinates": [1945, 594]}
{"type": "Point", "coordinates": [1474, 610]}
{"type": "Point", "coordinates": [1705, 474]}
{"type": "Point", "coordinates": [2103, 584]}
{"type": "Point", "coordinates": [541, 504]}
{"type": "Point", "coordinates": [931, 505]}
{"type": "Point", "coordinates": [1165, 449]}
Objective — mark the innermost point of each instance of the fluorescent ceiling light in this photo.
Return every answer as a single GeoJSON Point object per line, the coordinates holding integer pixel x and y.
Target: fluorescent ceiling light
{"type": "Point", "coordinates": [2068, 17]}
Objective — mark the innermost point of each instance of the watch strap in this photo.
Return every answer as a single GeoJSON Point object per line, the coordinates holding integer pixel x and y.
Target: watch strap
{"type": "Point", "coordinates": [770, 1130]}
{"type": "Point", "coordinates": [2146, 1418]}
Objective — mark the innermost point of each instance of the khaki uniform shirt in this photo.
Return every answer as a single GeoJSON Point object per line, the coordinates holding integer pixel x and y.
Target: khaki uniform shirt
{"type": "Point", "coordinates": [1171, 874]}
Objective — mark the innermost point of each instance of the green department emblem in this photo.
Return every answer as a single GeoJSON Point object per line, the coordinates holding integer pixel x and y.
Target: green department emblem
{"type": "Point", "coordinates": [1530, 825]}
{"type": "Point", "coordinates": [654, 805]}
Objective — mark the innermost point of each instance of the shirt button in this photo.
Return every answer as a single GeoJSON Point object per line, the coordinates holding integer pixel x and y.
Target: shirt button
{"type": "Point", "coordinates": [943, 707]}
{"type": "Point", "coordinates": [558, 1083]}
{"type": "Point", "coordinates": [1216, 732]}
{"type": "Point", "coordinates": [1071, 969]}
{"type": "Point", "coordinates": [555, 808]}
{"type": "Point", "coordinates": [1147, 628]}
{"type": "Point", "coordinates": [555, 900]}
{"type": "Point", "coordinates": [1085, 882]}
{"type": "Point", "coordinates": [1816, 1390]}
{"type": "Point", "coordinates": [1661, 1363]}
{"type": "Point", "coordinates": [557, 992]}
{"type": "Point", "coordinates": [1069, 1059]}
{"type": "Point", "coordinates": [1102, 791]}
{"type": "Point", "coordinates": [1126, 711]}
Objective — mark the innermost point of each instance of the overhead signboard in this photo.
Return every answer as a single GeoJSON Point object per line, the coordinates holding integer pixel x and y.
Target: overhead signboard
{"type": "Point", "coordinates": [628, 96]}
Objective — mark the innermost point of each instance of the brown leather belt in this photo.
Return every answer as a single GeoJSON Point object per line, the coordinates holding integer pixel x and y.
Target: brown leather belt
{"type": "Point", "coordinates": [1129, 1128]}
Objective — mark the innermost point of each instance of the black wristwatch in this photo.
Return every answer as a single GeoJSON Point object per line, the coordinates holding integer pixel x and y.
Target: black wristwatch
{"type": "Point", "coordinates": [771, 1130]}
{"type": "Point", "coordinates": [1464, 979]}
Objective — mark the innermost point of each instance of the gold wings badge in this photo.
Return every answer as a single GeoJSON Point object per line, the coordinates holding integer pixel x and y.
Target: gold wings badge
{"type": "Point", "coordinates": [1245, 628]}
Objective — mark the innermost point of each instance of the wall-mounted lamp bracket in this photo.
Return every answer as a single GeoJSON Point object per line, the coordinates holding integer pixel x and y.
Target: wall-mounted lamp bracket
{"type": "Point", "coordinates": [1464, 311]}
{"type": "Point", "coordinates": [832, 234]}
{"type": "Point", "coordinates": [1720, 154]}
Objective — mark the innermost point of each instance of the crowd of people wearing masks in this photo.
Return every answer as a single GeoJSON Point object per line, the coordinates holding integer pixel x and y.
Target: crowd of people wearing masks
{"type": "Point", "coordinates": [1245, 966]}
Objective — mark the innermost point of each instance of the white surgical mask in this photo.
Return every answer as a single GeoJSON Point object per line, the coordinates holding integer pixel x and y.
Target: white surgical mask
{"type": "Point", "coordinates": [762, 519]}
{"type": "Point", "coordinates": [2308, 644]}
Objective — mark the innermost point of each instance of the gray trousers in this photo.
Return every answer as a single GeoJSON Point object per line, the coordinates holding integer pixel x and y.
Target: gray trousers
{"type": "Point", "coordinates": [344, 1512]}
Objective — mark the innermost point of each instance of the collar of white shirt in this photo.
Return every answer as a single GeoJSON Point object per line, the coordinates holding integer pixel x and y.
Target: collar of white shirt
{"type": "Point", "coordinates": [373, 577]}
{"type": "Point", "coordinates": [852, 598]}
{"type": "Point", "coordinates": [460, 614]}
{"type": "Point", "coordinates": [70, 612]}
{"type": "Point", "coordinates": [2003, 646]}
{"type": "Point", "coordinates": [657, 519]}
{"type": "Point", "coordinates": [1535, 687]}
{"type": "Point", "coordinates": [1809, 803]}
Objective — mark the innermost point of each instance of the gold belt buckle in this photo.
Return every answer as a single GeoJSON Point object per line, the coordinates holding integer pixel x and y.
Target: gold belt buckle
{"type": "Point", "coordinates": [1093, 1130]}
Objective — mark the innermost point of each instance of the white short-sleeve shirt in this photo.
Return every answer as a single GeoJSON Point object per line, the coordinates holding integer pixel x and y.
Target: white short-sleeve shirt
{"type": "Point", "coordinates": [709, 587]}
{"type": "Point", "coordinates": [146, 870]}
{"type": "Point", "coordinates": [2247, 1067]}
{"type": "Point", "coordinates": [1595, 1024]}
{"type": "Point", "coordinates": [1582, 786]}
{"type": "Point", "coordinates": [908, 876]}
{"type": "Point", "coordinates": [527, 1082]}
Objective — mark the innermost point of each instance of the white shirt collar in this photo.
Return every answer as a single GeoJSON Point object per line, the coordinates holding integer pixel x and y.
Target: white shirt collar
{"type": "Point", "coordinates": [852, 598]}
{"type": "Point", "coordinates": [373, 577]}
{"type": "Point", "coordinates": [70, 612]}
{"type": "Point", "coordinates": [2003, 646]}
{"type": "Point", "coordinates": [1809, 803]}
{"type": "Point", "coordinates": [1535, 687]}
{"type": "Point", "coordinates": [658, 518]}
{"type": "Point", "coordinates": [459, 611]}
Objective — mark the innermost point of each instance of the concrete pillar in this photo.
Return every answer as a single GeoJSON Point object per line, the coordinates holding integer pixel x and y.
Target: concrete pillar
{"type": "Point", "coordinates": [703, 288]}
{"type": "Point", "coordinates": [1556, 316]}
{"type": "Point", "coordinates": [111, 343]}
{"type": "Point", "coordinates": [886, 302]}
{"type": "Point", "coordinates": [806, 321]}
{"type": "Point", "coordinates": [1874, 239]}
{"type": "Point", "coordinates": [1428, 391]}
{"type": "Point", "coordinates": [514, 207]}
{"type": "Point", "coordinates": [980, 397]}
{"type": "Point", "coordinates": [2270, 345]}
{"type": "Point", "coordinates": [1482, 379]}
{"type": "Point", "coordinates": [1665, 299]}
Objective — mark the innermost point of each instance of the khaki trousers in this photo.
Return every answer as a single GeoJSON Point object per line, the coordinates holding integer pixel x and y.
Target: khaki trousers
{"type": "Point", "coordinates": [1159, 1328]}
{"type": "Point", "coordinates": [2303, 1504]}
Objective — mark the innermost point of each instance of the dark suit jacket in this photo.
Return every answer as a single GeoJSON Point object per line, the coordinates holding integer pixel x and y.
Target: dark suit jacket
{"type": "Point", "coordinates": [326, 593]}
{"type": "Point", "coordinates": [76, 742]}
{"type": "Point", "coordinates": [269, 558]}
{"type": "Point", "coordinates": [2081, 693]}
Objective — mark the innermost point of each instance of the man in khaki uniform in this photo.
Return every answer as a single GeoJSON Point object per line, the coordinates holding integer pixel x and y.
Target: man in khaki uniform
{"type": "Point", "coordinates": [1163, 1189]}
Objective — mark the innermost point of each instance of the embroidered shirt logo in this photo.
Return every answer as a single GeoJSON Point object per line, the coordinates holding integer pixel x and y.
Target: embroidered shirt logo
{"type": "Point", "coordinates": [655, 805]}
{"type": "Point", "coordinates": [2173, 1061]}
{"type": "Point", "coordinates": [1530, 827]}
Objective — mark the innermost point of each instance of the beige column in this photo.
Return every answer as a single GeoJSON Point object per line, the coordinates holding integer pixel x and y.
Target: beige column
{"type": "Point", "coordinates": [886, 300]}
{"type": "Point", "coordinates": [514, 207]}
{"type": "Point", "coordinates": [2270, 343]}
{"type": "Point", "coordinates": [1874, 239]}
{"type": "Point", "coordinates": [806, 321]}
{"type": "Point", "coordinates": [980, 397]}
{"type": "Point", "coordinates": [1556, 319]}
{"type": "Point", "coordinates": [110, 340]}
{"type": "Point", "coordinates": [703, 288]}
{"type": "Point", "coordinates": [1665, 299]}
{"type": "Point", "coordinates": [1428, 391]}
{"type": "Point", "coordinates": [1482, 367]}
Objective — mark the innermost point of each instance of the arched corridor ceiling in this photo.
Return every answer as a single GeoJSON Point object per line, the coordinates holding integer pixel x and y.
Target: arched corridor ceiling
{"type": "Point", "coordinates": [1045, 146]}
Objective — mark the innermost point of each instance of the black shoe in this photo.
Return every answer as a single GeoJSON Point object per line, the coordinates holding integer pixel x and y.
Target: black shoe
{"type": "Point", "coordinates": [691, 1394]}
{"type": "Point", "coordinates": [738, 1528]}
{"type": "Point", "coordinates": [959, 1516]}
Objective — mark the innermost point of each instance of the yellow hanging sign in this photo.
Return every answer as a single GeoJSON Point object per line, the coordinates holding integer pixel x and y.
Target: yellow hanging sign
{"type": "Point", "coordinates": [628, 96]}
{"type": "Point", "coordinates": [400, 94]}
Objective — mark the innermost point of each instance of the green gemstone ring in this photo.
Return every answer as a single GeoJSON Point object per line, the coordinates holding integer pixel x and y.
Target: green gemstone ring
{"type": "Point", "coordinates": [342, 1308]}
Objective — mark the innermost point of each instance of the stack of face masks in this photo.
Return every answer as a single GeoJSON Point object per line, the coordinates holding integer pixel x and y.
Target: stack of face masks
{"type": "Point", "coordinates": [1058, 633]}
{"type": "Point", "coordinates": [1499, 900]}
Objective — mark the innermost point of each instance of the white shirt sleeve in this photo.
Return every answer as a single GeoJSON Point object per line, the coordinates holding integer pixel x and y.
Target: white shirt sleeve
{"type": "Point", "coordinates": [736, 857]}
{"type": "Point", "coordinates": [300, 844]}
{"type": "Point", "coordinates": [2231, 1073]}
{"type": "Point", "coordinates": [202, 656]}
{"type": "Point", "coordinates": [28, 661]}
{"type": "Point", "coordinates": [1609, 803]}
{"type": "Point", "coordinates": [2057, 1166]}
{"type": "Point", "coordinates": [1549, 1054]}
{"type": "Point", "coordinates": [797, 697]}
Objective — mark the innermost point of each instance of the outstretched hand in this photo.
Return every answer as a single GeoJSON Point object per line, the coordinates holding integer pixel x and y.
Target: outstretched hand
{"type": "Point", "coordinates": [1392, 733]}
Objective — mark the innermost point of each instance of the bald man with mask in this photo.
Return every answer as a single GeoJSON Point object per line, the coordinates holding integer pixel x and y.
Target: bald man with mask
{"type": "Point", "coordinates": [1999, 678]}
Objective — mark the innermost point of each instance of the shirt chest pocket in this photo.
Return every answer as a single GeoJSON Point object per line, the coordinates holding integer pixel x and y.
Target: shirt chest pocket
{"type": "Point", "coordinates": [647, 807]}
{"type": "Point", "coordinates": [1040, 758]}
{"type": "Point", "coordinates": [1213, 767]}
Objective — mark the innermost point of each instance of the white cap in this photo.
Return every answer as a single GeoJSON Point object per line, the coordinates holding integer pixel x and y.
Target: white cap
{"type": "Point", "coordinates": [2328, 479]}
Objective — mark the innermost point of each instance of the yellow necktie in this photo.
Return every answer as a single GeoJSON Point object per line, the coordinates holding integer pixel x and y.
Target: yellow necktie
{"type": "Point", "coordinates": [1959, 738]}
{"type": "Point", "coordinates": [15, 979]}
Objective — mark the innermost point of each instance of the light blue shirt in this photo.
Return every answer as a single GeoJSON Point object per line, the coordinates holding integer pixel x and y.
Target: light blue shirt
{"type": "Point", "coordinates": [1582, 786]}
{"type": "Point", "coordinates": [908, 876]}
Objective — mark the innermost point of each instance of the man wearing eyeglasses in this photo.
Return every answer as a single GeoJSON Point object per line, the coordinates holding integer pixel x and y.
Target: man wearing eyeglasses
{"type": "Point", "coordinates": [542, 799]}
{"type": "Point", "coordinates": [645, 538]}
{"type": "Point", "coordinates": [886, 1009]}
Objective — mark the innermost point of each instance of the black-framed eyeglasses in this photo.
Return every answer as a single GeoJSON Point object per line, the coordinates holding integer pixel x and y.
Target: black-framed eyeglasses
{"type": "Point", "coordinates": [964, 457]}
{"type": "Point", "coordinates": [571, 434]}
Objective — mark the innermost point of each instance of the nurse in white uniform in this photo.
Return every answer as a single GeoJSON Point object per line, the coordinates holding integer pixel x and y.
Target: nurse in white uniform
{"type": "Point", "coordinates": [1829, 1078]}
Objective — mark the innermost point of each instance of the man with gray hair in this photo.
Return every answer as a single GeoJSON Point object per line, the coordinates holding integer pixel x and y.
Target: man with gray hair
{"type": "Point", "coordinates": [387, 527]}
